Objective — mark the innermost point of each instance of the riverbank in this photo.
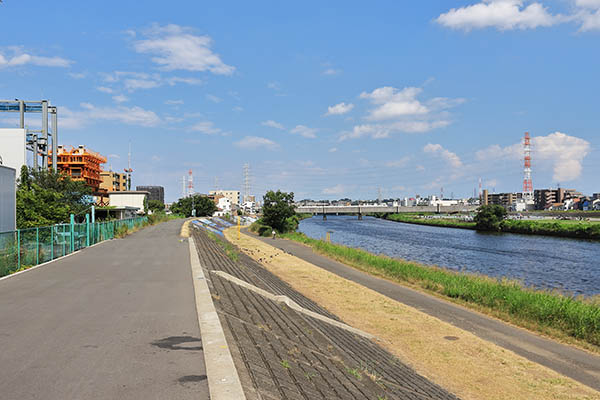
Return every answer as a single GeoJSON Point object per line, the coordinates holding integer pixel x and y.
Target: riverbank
{"type": "Point", "coordinates": [560, 228]}
{"type": "Point", "coordinates": [456, 358]}
{"type": "Point", "coordinates": [550, 313]}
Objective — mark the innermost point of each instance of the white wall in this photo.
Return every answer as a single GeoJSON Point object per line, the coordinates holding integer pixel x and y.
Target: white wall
{"type": "Point", "coordinates": [12, 148]}
{"type": "Point", "coordinates": [127, 200]}
{"type": "Point", "coordinates": [7, 199]}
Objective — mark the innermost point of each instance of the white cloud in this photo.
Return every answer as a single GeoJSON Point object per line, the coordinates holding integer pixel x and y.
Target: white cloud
{"type": "Point", "coordinates": [274, 86]}
{"type": "Point", "coordinates": [304, 131]}
{"type": "Point", "coordinates": [447, 155]}
{"type": "Point", "coordinates": [77, 75]}
{"type": "Point", "coordinates": [381, 131]}
{"type": "Point", "coordinates": [214, 98]}
{"type": "Point", "coordinates": [394, 103]}
{"type": "Point", "coordinates": [255, 142]}
{"type": "Point", "coordinates": [333, 150]}
{"type": "Point", "coordinates": [89, 113]}
{"type": "Point", "coordinates": [332, 71]}
{"type": "Point", "coordinates": [337, 189]}
{"type": "Point", "coordinates": [18, 58]}
{"type": "Point", "coordinates": [272, 124]}
{"type": "Point", "coordinates": [400, 111]}
{"type": "Point", "coordinates": [172, 81]}
{"type": "Point", "coordinates": [238, 109]}
{"type": "Point", "coordinates": [120, 98]}
{"type": "Point", "coordinates": [519, 14]}
{"type": "Point", "coordinates": [104, 89]}
{"type": "Point", "coordinates": [339, 109]}
{"type": "Point", "coordinates": [128, 115]}
{"type": "Point", "coordinates": [176, 48]}
{"type": "Point", "coordinates": [174, 102]}
{"type": "Point", "coordinates": [562, 152]}
{"type": "Point", "coordinates": [133, 81]}
{"type": "Point", "coordinates": [398, 163]}
{"type": "Point", "coordinates": [206, 127]}
{"type": "Point", "coordinates": [499, 14]}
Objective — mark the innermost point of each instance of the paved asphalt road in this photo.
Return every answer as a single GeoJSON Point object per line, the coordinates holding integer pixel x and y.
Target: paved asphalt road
{"type": "Point", "coordinates": [567, 360]}
{"type": "Point", "coordinates": [115, 321]}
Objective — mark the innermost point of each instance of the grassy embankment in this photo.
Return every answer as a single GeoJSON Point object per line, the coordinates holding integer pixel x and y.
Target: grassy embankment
{"type": "Point", "coordinates": [563, 228]}
{"type": "Point", "coordinates": [551, 313]}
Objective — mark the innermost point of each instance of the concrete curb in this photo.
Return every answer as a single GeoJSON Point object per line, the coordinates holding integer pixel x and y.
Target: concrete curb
{"type": "Point", "coordinates": [223, 380]}
{"type": "Point", "coordinates": [292, 304]}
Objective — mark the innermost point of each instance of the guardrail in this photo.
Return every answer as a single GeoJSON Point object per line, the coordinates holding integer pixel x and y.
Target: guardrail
{"type": "Point", "coordinates": [29, 247]}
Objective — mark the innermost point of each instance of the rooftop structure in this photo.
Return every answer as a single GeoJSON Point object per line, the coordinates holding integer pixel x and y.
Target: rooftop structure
{"type": "Point", "coordinates": [81, 164]}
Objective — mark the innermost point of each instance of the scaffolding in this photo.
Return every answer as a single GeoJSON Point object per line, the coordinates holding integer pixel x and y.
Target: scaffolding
{"type": "Point", "coordinates": [37, 140]}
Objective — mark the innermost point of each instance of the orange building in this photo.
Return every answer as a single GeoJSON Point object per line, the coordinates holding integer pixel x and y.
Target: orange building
{"type": "Point", "coordinates": [80, 164]}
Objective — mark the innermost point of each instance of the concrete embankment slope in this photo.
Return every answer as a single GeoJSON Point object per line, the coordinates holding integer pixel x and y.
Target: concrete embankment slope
{"type": "Point", "coordinates": [474, 355]}
{"type": "Point", "coordinates": [288, 347]}
{"type": "Point", "coordinates": [115, 321]}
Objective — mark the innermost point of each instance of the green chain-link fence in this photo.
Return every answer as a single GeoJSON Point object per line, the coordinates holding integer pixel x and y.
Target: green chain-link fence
{"type": "Point", "coordinates": [28, 247]}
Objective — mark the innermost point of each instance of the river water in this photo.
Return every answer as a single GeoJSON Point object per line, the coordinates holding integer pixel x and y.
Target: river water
{"type": "Point", "coordinates": [569, 265]}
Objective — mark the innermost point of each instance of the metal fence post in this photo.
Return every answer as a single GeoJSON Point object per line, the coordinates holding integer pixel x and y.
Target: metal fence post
{"type": "Point", "coordinates": [87, 230]}
{"type": "Point", "coordinates": [72, 233]}
{"type": "Point", "coordinates": [19, 247]}
{"type": "Point", "coordinates": [37, 246]}
{"type": "Point", "coordinates": [52, 242]}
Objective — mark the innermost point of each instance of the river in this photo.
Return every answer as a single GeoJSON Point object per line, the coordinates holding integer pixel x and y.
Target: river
{"type": "Point", "coordinates": [569, 265]}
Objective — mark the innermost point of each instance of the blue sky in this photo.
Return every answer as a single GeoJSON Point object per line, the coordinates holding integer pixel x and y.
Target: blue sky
{"type": "Point", "coordinates": [326, 101]}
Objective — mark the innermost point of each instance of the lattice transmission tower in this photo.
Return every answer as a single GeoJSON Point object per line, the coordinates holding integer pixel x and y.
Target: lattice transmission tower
{"type": "Point", "coordinates": [527, 184]}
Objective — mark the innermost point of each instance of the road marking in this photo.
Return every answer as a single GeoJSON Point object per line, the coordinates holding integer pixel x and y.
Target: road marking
{"type": "Point", "coordinates": [292, 304]}
{"type": "Point", "coordinates": [223, 380]}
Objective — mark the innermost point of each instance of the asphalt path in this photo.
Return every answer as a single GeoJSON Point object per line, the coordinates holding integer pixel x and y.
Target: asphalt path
{"type": "Point", "coordinates": [114, 321]}
{"type": "Point", "coordinates": [567, 360]}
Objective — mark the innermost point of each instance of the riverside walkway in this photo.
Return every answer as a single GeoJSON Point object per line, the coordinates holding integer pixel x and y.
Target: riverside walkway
{"type": "Point", "coordinates": [115, 321]}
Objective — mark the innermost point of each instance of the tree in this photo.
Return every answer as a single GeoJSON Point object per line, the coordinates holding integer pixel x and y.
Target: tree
{"type": "Point", "coordinates": [278, 210]}
{"type": "Point", "coordinates": [490, 217]}
{"type": "Point", "coordinates": [46, 198]}
{"type": "Point", "coordinates": [156, 206]}
{"type": "Point", "coordinates": [202, 204]}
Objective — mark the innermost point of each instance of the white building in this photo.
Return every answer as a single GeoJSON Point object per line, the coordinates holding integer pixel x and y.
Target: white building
{"type": "Point", "coordinates": [136, 199]}
{"type": "Point", "coordinates": [232, 195]}
{"type": "Point", "coordinates": [12, 148]}
{"type": "Point", "coordinates": [8, 201]}
{"type": "Point", "coordinates": [224, 207]}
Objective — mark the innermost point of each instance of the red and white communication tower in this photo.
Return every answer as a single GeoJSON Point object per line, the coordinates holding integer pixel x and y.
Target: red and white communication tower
{"type": "Point", "coordinates": [527, 185]}
{"type": "Point", "coordinates": [190, 185]}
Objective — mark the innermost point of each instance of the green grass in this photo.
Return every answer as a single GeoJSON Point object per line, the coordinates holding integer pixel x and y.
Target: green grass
{"type": "Point", "coordinates": [548, 312]}
{"type": "Point", "coordinates": [562, 228]}
{"type": "Point", "coordinates": [445, 222]}
{"type": "Point", "coordinates": [230, 250]}
{"type": "Point", "coordinates": [566, 228]}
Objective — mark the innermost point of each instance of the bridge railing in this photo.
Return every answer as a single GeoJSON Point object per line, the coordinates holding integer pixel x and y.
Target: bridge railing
{"type": "Point", "coordinates": [25, 248]}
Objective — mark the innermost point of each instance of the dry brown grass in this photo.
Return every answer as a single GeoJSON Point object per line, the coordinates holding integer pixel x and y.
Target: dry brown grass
{"type": "Point", "coordinates": [185, 229]}
{"type": "Point", "coordinates": [469, 367]}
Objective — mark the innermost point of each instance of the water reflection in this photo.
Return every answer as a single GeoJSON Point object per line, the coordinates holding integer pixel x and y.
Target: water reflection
{"type": "Point", "coordinates": [570, 265]}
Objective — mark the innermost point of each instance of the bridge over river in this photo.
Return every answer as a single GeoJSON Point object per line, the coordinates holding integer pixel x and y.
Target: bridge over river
{"type": "Point", "coordinates": [368, 209]}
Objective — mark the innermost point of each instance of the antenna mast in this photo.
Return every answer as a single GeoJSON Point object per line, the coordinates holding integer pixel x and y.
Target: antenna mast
{"type": "Point", "coordinates": [128, 170]}
{"type": "Point", "coordinates": [190, 186]}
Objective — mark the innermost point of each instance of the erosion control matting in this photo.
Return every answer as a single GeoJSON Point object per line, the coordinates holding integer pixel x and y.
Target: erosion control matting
{"type": "Point", "coordinates": [284, 354]}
